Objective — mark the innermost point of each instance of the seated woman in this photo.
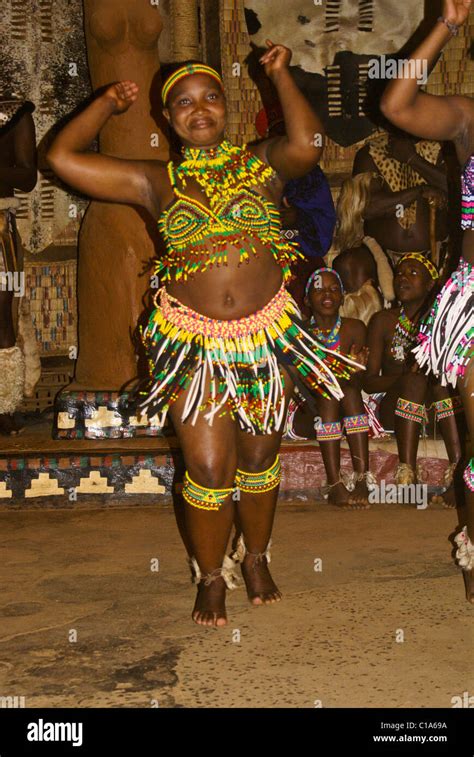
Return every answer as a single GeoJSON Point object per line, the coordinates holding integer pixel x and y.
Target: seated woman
{"type": "Point", "coordinates": [359, 260]}
{"type": "Point", "coordinates": [324, 421]}
{"type": "Point", "coordinates": [393, 371]}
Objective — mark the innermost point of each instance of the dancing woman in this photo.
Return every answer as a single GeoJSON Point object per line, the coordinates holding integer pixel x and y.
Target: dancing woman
{"type": "Point", "coordinates": [225, 341]}
{"type": "Point", "coordinates": [447, 339]}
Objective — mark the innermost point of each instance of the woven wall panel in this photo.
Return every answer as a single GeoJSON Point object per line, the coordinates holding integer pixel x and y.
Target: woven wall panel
{"type": "Point", "coordinates": [243, 99]}
{"type": "Point", "coordinates": [454, 72]}
{"type": "Point", "coordinates": [51, 289]}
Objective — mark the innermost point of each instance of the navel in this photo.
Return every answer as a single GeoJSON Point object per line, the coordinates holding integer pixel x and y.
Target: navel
{"type": "Point", "coordinates": [229, 301]}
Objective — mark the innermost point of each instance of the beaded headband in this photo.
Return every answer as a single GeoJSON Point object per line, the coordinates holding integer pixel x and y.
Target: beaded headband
{"type": "Point", "coordinates": [187, 70]}
{"type": "Point", "coordinates": [317, 272]}
{"type": "Point", "coordinates": [430, 267]}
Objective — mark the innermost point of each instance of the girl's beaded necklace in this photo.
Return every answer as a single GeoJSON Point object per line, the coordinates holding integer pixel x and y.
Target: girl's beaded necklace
{"type": "Point", "coordinates": [404, 337]}
{"type": "Point", "coordinates": [331, 338]}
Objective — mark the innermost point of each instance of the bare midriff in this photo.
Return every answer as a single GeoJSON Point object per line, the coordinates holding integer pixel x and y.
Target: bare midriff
{"type": "Point", "coordinates": [392, 236]}
{"type": "Point", "coordinates": [231, 291]}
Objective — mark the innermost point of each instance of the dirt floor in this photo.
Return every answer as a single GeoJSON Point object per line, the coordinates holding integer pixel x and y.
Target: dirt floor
{"type": "Point", "coordinates": [373, 613]}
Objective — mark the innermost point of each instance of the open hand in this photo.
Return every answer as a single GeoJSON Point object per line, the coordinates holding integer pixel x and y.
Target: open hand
{"type": "Point", "coordinates": [275, 59]}
{"type": "Point", "coordinates": [123, 93]}
{"type": "Point", "coordinates": [456, 11]}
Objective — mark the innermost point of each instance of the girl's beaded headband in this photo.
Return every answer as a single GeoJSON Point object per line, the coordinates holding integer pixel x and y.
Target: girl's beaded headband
{"type": "Point", "coordinates": [318, 272]}
{"type": "Point", "coordinates": [432, 270]}
{"type": "Point", "coordinates": [187, 70]}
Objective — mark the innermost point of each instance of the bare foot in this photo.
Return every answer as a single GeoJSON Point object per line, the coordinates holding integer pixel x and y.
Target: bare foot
{"type": "Point", "coordinates": [261, 589]}
{"type": "Point", "coordinates": [359, 497]}
{"type": "Point", "coordinates": [446, 499]}
{"type": "Point", "coordinates": [453, 496]}
{"type": "Point", "coordinates": [339, 496]}
{"type": "Point", "coordinates": [209, 608]}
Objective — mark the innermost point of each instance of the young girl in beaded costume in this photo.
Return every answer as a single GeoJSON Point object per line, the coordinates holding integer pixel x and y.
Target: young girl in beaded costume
{"type": "Point", "coordinates": [330, 417]}
{"type": "Point", "coordinates": [225, 341]}
{"type": "Point", "coordinates": [406, 393]}
{"type": "Point", "coordinates": [447, 339]}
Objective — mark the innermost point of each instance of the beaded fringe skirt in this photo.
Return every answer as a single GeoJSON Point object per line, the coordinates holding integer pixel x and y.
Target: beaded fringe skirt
{"type": "Point", "coordinates": [447, 336]}
{"type": "Point", "coordinates": [234, 365]}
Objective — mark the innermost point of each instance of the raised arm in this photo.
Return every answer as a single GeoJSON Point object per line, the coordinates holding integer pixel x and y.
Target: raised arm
{"type": "Point", "coordinates": [300, 149]}
{"type": "Point", "coordinates": [102, 176]}
{"type": "Point", "coordinates": [430, 116]}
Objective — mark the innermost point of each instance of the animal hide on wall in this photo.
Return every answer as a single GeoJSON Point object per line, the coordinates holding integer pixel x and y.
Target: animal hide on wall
{"type": "Point", "coordinates": [332, 44]}
{"type": "Point", "coordinates": [316, 32]}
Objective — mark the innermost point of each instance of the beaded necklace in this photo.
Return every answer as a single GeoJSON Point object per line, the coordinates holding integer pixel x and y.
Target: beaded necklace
{"type": "Point", "coordinates": [331, 338]}
{"type": "Point", "coordinates": [404, 337]}
{"type": "Point", "coordinates": [226, 167]}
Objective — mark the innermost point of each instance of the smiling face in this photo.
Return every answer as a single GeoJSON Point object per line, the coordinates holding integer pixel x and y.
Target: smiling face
{"type": "Point", "coordinates": [325, 296]}
{"type": "Point", "coordinates": [196, 110]}
{"type": "Point", "coordinates": [411, 281]}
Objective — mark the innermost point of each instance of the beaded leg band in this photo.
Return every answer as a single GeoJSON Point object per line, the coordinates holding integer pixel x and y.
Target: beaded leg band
{"type": "Point", "coordinates": [465, 551]}
{"type": "Point", "coordinates": [447, 407]}
{"type": "Point", "coordinates": [203, 497]}
{"type": "Point", "coordinates": [356, 424]}
{"type": "Point", "coordinates": [411, 411]}
{"type": "Point", "coordinates": [468, 475]}
{"type": "Point", "coordinates": [328, 432]}
{"type": "Point", "coordinates": [259, 483]}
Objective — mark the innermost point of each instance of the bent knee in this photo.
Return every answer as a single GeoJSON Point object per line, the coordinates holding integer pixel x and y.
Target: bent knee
{"type": "Point", "coordinates": [257, 463]}
{"type": "Point", "coordinates": [218, 474]}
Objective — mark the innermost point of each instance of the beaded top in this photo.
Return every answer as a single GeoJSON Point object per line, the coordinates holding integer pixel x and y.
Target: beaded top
{"type": "Point", "coordinates": [237, 214]}
{"type": "Point", "coordinates": [331, 338]}
{"type": "Point", "coordinates": [467, 189]}
{"type": "Point", "coordinates": [404, 337]}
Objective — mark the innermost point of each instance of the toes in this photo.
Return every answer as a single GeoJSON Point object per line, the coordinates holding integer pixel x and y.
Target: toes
{"type": "Point", "coordinates": [274, 597]}
{"type": "Point", "coordinates": [196, 616]}
{"type": "Point", "coordinates": [358, 504]}
{"type": "Point", "coordinates": [268, 598]}
{"type": "Point", "coordinates": [204, 618]}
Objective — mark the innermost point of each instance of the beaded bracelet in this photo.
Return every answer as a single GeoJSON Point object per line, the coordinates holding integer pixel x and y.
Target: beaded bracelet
{"type": "Point", "coordinates": [453, 28]}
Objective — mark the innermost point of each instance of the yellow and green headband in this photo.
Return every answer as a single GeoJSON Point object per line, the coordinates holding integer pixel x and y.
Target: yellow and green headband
{"type": "Point", "coordinates": [187, 70]}
{"type": "Point", "coordinates": [432, 270]}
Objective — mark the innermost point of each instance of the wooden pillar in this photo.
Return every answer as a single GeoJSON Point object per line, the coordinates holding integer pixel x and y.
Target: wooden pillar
{"type": "Point", "coordinates": [185, 35]}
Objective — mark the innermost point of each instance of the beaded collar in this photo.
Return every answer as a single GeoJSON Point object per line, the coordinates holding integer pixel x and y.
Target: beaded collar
{"type": "Point", "coordinates": [223, 169]}
{"type": "Point", "coordinates": [404, 337]}
{"type": "Point", "coordinates": [331, 338]}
